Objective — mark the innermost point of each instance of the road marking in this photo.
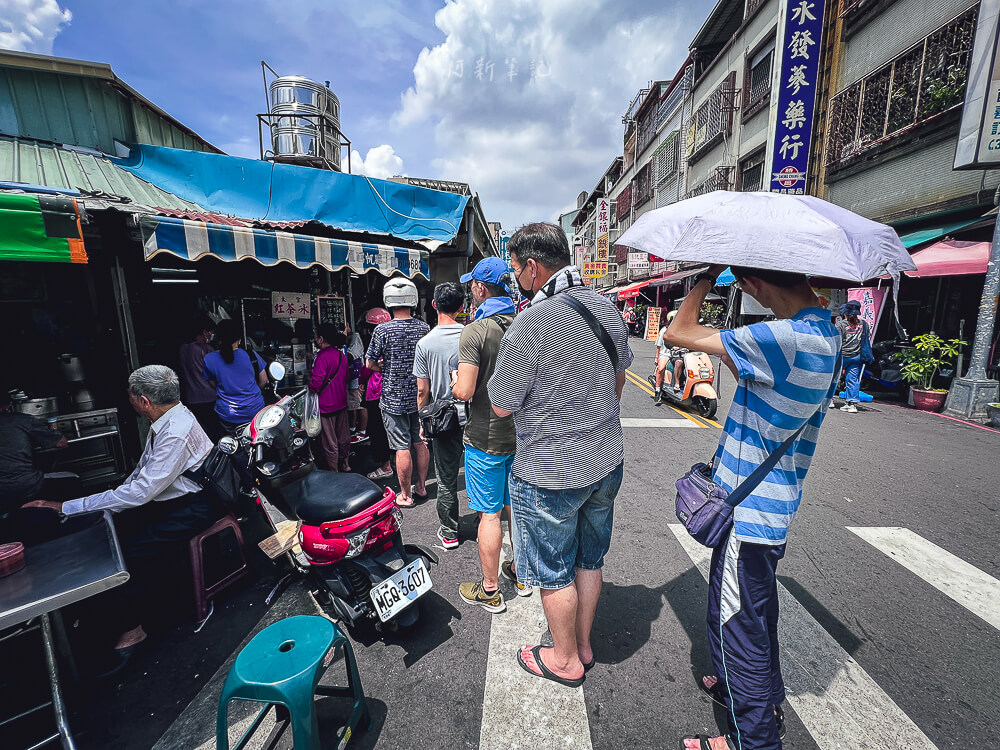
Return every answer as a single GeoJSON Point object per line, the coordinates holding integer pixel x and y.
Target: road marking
{"type": "Point", "coordinates": [656, 423]}
{"type": "Point", "coordinates": [521, 712]}
{"type": "Point", "coordinates": [958, 580]}
{"type": "Point", "coordinates": [700, 421]}
{"type": "Point", "coordinates": [837, 701]}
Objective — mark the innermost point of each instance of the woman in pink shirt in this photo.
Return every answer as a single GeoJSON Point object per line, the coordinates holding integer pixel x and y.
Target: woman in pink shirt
{"type": "Point", "coordinates": [329, 379]}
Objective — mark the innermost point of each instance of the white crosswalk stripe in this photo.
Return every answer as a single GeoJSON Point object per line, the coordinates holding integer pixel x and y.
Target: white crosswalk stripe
{"type": "Point", "coordinates": [837, 701]}
{"type": "Point", "coordinates": [521, 712]}
{"type": "Point", "coordinates": [958, 580]}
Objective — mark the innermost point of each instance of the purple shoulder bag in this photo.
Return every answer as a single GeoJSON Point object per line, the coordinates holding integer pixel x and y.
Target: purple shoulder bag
{"type": "Point", "coordinates": [706, 509]}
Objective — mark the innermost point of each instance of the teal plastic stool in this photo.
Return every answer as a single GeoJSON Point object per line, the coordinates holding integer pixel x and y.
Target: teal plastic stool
{"type": "Point", "coordinates": [282, 666]}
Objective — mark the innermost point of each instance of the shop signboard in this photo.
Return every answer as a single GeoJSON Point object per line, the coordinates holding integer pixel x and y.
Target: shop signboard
{"type": "Point", "coordinates": [595, 270]}
{"type": "Point", "coordinates": [638, 261]}
{"type": "Point", "coordinates": [979, 133]}
{"type": "Point", "coordinates": [291, 305]}
{"type": "Point", "coordinates": [652, 322]}
{"type": "Point", "coordinates": [504, 239]}
{"type": "Point", "coordinates": [799, 53]}
{"type": "Point", "coordinates": [332, 309]}
{"type": "Point", "coordinates": [603, 229]}
{"type": "Point", "coordinates": [871, 300]}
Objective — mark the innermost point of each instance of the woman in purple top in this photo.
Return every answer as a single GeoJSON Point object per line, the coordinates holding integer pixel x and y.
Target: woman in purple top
{"type": "Point", "coordinates": [236, 376]}
{"type": "Point", "coordinates": [329, 380]}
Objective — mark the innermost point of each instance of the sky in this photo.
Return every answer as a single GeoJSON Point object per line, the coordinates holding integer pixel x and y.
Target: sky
{"type": "Point", "coordinates": [522, 99]}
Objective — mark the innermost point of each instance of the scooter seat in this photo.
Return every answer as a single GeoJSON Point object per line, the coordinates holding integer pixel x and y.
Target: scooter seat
{"type": "Point", "coordinates": [331, 496]}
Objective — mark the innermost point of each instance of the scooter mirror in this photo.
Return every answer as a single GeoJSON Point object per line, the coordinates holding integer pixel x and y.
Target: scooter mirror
{"type": "Point", "coordinates": [276, 370]}
{"type": "Point", "coordinates": [229, 445]}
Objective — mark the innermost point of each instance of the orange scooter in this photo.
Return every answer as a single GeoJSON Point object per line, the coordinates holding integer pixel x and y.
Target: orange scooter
{"type": "Point", "coordinates": [692, 386]}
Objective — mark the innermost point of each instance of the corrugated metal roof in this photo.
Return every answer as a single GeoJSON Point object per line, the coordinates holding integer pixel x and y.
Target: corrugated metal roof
{"type": "Point", "coordinates": [209, 217]}
{"type": "Point", "coordinates": [36, 163]}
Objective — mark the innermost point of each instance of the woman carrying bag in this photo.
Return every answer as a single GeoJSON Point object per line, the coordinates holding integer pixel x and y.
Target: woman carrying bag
{"type": "Point", "coordinates": [329, 382]}
{"type": "Point", "coordinates": [237, 375]}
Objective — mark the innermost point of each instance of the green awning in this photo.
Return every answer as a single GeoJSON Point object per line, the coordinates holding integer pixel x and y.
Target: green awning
{"type": "Point", "coordinates": [928, 234]}
{"type": "Point", "coordinates": [40, 228]}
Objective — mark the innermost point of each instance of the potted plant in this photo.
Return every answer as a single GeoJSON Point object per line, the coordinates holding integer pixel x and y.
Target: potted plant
{"type": "Point", "coordinates": [921, 363]}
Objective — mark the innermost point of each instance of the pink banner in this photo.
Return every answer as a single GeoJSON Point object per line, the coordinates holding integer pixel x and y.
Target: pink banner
{"type": "Point", "coordinates": [871, 301]}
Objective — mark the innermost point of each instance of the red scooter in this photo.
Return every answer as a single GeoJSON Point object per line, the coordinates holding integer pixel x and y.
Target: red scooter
{"type": "Point", "coordinates": [349, 537]}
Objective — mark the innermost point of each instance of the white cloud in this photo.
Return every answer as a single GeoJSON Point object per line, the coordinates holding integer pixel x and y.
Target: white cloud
{"type": "Point", "coordinates": [31, 25]}
{"type": "Point", "coordinates": [525, 98]}
{"type": "Point", "coordinates": [380, 163]}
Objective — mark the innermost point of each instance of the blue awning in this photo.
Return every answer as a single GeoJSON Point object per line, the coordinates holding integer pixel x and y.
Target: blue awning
{"type": "Point", "coordinates": [266, 192]}
{"type": "Point", "coordinates": [192, 240]}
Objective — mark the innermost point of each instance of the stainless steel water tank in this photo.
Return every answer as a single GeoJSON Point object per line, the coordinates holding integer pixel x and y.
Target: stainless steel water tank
{"type": "Point", "coordinates": [305, 120]}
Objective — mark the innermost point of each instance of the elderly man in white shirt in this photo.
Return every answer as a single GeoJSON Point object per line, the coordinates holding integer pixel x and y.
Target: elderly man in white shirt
{"type": "Point", "coordinates": [163, 508]}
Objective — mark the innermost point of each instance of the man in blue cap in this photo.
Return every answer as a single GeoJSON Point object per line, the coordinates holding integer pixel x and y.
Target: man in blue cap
{"type": "Point", "coordinates": [489, 439]}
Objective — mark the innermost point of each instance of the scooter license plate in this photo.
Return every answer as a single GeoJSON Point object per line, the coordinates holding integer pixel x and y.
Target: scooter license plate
{"type": "Point", "coordinates": [705, 372]}
{"type": "Point", "coordinates": [400, 590]}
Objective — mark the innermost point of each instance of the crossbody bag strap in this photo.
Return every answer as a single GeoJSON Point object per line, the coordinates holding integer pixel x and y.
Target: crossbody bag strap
{"type": "Point", "coordinates": [749, 484]}
{"type": "Point", "coordinates": [332, 374]}
{"type": "Point", "coordinates": [595, 326]}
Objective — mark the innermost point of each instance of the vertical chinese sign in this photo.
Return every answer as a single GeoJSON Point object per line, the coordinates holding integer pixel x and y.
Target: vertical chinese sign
{"type": "Point", "coordinates": [799, 52]}
{"type": "Point", "coordinates": [603, 229]}
{"type": "Point", "coordinates": [652, 323]}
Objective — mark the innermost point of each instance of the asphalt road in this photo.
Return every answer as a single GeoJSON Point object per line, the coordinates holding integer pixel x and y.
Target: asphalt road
{"type": "Point", "coordinates": [890, 619]}
{"type": "Point", "coordinates": [872, 646]}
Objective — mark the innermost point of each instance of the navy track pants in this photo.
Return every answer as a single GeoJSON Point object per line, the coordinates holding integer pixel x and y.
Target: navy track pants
{"type": "Point", "coordinates": [743, 636]}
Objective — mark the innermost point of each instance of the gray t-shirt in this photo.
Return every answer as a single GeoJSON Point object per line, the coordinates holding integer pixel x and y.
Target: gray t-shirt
{"type": "Point", "coordinates": [436, 356]}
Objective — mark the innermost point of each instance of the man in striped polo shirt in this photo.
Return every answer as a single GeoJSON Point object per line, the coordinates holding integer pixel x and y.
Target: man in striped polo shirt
{"type": "Point", "coordinates": [787, 371]}
{"type": "Point", "coordinates": [554, 374]}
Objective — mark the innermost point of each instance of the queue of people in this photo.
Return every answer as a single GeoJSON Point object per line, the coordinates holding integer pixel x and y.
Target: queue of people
{"type": "Point", "coordinates": [537, 425]}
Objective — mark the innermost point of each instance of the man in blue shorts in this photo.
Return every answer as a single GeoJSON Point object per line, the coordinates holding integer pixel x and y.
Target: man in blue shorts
{"type": "Point", "coordinates": [489, 438]}
{"type": "Point", "coordinates": [787, 371]}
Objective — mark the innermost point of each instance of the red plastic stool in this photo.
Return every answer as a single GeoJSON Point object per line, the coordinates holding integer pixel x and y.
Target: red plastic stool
{"type": "Point", "coordinates": [203, 594]}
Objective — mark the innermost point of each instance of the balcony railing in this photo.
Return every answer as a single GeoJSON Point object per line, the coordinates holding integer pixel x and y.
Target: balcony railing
{"type": "Point", "coordinates": [721, 180]}
{"type": "Point", "coordinates": [917, 85]}
{"type": "Point", "coordinates": [713, 119]}
{"type": "Point", "coordinates": [647, 131]}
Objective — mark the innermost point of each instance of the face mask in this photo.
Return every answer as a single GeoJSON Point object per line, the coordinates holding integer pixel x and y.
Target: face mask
{"type": "Point", "coordinates": [525, 291]}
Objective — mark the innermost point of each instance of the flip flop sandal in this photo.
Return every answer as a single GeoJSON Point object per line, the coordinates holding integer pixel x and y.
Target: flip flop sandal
{"type": "Point", "coordinates": [589, 665]}
{"type": "Point", "coordinates": [704, 742]}
{"type": "Point", "coordinates": [408, 504]}
{"type": "Point", "coordinates": [546, 673]}
{"type": "Point", "coordinates": [714, 692]}
{"type": "Point", "coordinates": [378, 474]}
{"type": "Point", "coordinates": [417, 497]}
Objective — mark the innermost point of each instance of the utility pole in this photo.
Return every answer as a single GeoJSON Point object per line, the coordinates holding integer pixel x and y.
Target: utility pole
{"type": "Point", "coordinates": [969, 396]}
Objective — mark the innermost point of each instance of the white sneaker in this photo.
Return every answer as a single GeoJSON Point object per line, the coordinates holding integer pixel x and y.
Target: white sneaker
{"type": "Point", "coordinates": [849, 408]}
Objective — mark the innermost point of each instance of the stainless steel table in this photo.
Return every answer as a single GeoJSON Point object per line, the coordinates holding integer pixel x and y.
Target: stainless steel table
{"type": "Point", "coordinates": [58, 573]}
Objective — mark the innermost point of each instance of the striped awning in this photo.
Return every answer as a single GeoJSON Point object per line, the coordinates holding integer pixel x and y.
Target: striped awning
{"type": "Point", "coordinates": [192, 240]}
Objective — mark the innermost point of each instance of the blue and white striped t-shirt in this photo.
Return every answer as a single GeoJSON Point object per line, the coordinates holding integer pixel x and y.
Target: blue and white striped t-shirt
{"type": "Point", "coordinates": [788, 371]}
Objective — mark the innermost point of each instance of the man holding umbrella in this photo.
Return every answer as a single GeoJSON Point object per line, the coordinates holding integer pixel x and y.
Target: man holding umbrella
{"type": "Point", "coordinates": [787, 371]}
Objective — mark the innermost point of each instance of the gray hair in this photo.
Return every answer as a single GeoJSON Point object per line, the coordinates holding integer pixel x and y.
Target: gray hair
{"type": "Point", "coordinates": [158, 383]}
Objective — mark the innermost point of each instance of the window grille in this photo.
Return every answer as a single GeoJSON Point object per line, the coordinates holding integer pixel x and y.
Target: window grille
{"type": "Point", "coordinates": [752, 6]}
{"type": "Point", "coordinates": [758, 85]}
{"type": "Point", "coordinates": [642, 185]}
{"type": "Point", "coordinates": [721, 180]}
{"type": "Point", "coordinates": [624, 202]}
{"type": "Point", "coordinates": [666, 159]}
{"type": "Point", "coordinates": [712, 119]}
{"type": "Point", "coordinates": [918, 84]}
{"type": "Point", "coordinates": [752, 173]}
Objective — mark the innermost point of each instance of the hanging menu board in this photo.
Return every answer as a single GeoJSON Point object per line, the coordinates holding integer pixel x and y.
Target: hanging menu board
{"type": "Point", "coordinates": [332, 310]}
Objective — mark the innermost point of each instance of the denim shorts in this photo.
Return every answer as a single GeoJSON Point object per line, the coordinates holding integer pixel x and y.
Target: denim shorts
{"type": "Point", "coordinates": [403, 430]}
{"type": "Point", "coordinates": [486, 479]}
{"type": "Point", "coordinates": [558, 531]}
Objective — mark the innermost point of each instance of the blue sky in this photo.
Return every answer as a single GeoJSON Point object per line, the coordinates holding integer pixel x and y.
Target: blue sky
{"type": "Point", "coordinates": [413, 77]}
